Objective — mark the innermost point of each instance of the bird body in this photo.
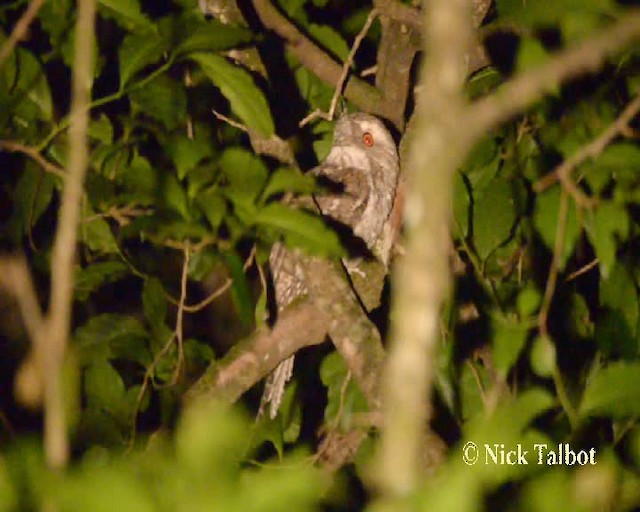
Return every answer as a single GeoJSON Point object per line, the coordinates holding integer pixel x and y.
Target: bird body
{"type": "Point", "coordinates": [363, 162]}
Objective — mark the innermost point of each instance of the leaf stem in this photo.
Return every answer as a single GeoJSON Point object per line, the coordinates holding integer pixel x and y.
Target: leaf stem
{"type": "Point", "coordinates": [64, 123]}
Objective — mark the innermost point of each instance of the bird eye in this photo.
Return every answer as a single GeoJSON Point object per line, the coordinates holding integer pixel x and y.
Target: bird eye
{"type": "Point", "coordinates": [367, 139]}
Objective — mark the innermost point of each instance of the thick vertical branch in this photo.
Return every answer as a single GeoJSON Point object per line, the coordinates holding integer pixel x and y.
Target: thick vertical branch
{"type": "Point", "coordinates": [422, 276]}
{"type": "Point", "coordinates": [51, 343]}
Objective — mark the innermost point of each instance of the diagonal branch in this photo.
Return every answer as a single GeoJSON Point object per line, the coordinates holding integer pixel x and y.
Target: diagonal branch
{"type": "Point", "coordinates": [591, 150]}
{"type": "Point", "coordinates": [253, 358]}
{"type": "Point", "coordinates": [34, 154]}
{"type": "Point", "coordinates": [363, 95]}
{"type": "Point", "coordinates": [526, 88]}
{"type": "Point", "coordinates": [354, 335]}
{"type": "Point", "coordinates": [20, 30]}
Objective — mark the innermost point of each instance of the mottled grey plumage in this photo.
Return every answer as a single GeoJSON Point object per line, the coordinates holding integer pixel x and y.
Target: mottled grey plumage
{"type": "Point", "coordinates": [363, 161]}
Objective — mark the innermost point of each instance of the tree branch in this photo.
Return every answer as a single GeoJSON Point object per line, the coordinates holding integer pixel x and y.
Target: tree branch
{"type": "Point", "coordinates": [253, 358]}
{"type": "Point", "coordinates": [20, 30]}
{"type": "Point", "coordinates": [526, 88]}
{"type": "Point", "coordinates": [34, 154]}
{"type": "Point", "coordinates": [351, 331]}
{"type": "Point", "coordinates": [590, 150]}
{"type": "Point", "coordinates": [363, 95]}
{"type": "Point", "coordinates": [422, 275]}
{"type": "Point", "coordinates": [63, 254]}
{"type": "Point", "coordinates": [400, 12]}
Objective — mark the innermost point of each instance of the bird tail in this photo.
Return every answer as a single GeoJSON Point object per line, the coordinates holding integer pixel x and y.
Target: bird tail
{"type": "Point", "coordinates": [274, 387]}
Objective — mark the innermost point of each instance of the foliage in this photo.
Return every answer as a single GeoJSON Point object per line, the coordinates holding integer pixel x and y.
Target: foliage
{"type": "Point", "coordinates": [170, 186]}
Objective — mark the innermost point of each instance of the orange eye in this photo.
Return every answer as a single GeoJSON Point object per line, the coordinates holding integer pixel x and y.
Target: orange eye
{"type": "Point", "coordinates": [367, 139]}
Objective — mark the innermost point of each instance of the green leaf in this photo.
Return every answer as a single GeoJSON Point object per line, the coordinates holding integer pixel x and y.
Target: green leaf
{"type": "Point", "coordinates": [137, 51]}
{"type": "Point", "coordinates": [507, 425]}
{"type": "Point", "coordinates": [545, 220]}
{"type": "Point", "coordinates": [508, 340]}
{"type": "Point", "coordinates": [613, 391]}
{"type": "Point", "coordinates": [330, 39]}
{"type": "Point", "coordinates": [342, 400]}
{"type": "Point", "coordinates": [543, 356]}
{"type": "Point", "coordinates": [127, 13]}
{"type": "Point", "coordinates": [551, 491]}
{"type": "Point", "coordinates": [57, 19]}
{"type": "Point", "coordinates": [288, 179]}
{"type": "Point", "coordinates": [236, 84]}
{"type": "Point", "coordinates": [579, 319]}
{"type": "Point", "coordinates": [103, 386]}
{"type": "Point", "coordinates": [186, 153]}
{"type": "Point", "coordinates": [35, 190]}
{"type": "Point", "coordinates": [240, 291]}
{"type": "Point", "coordinates": [203, 263]}
{"type": "Point", "coordinates": [246, 175]}
{"type": "Point", "coordinates": [620, 160]}
{"type": "Point", "coordinates": [315, 92]}
{"type": "Point", "coordinates": [483, 82]}
{"type": "Point", "coordinates": [618, 292]}
{"type": "Point", "coordinates": [493, 217]}
{"type": "Point", "coordinates": [174, 197]}
{"type": "Point", "coordinates": [537, 12]}
{"type": "Point", "coordinates": [482, 164]}
{"type": "Point", "coordinates": [461, 206]}
{"type": "Point", "coordinates": [97, 235]}
{"type": "Point", "coordinates": [201, 453]}
{"type": "Point", "coordinates": [140, 181]}
{"type": "Point", "coordinates": [197, 352]}
{"type": "Point", "coordinates": [301, 229]}
{"type": "Point", "coordinates": [24, 82]}
{"type": "Point", "coordinates": [213, 206]}
{"type": "Point", "coordinates": [154, 302]}
{"type": "Point", "coordinates": [617, 323]}
{"type": "Point", "coordinates": [531, 54]}
{"type": "Point", "coordinates": [84, 490]}
{"type": "Point", "coordinates": [606, 227]}
{"type": "Point", "coordinates": [101, 428]}
{"type": "Point", "coordinates": [528, 301]}
{"type": "Point", "coordinates": [101, 130]}
{"type": "Point", "coordinates": [274, 490]}
{"type": "Point", "coordinates": [162, 99]}
{"type": "Point", "coordinates": [193, 34]}
{"type": "Point", "coordinates": [108, 336]}
{"type": "Point", "coordinates": [8, 493]}
{"type": "Point", "coordinates": [92, 277]}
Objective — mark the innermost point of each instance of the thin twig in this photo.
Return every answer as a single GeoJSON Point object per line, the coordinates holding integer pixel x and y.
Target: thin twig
{"type": "Point", "coordinates": [272, 146]}
{"type": "Point", "coordinates": [336, 421]}
{"type": "Point", "coordinates": [591, 150]}
{"type": "Point", "coordinates": [148, 377]}
{"type": "Point", "coordinates": [362, 94]}
{"type": "Point", "coordinates": [177, 335]}
{"type": "Point", "coordinates": [528, 87]}
{"type": "Point", "coordinates": [229, 121]}
{"type": "Point", "coordinates": [20, 30]}
{"type": "Point", "coordinates": [179, 331]}
{"type": "Point", "coordinates": [194, 308]}
{"type": "Point", "coordinates": [345, 72]}
{"type": "Point", "coordinates": [121, 214]}
{"type": "Point", "coordinates": [558, 249]}
{"type": "Point", "coordinates": [64, 247]}
{"type": "Point", "coordinates": [582, 270]}
{"type": "Point", "coordinates": [543, 315]}
{"type": "Point", "coordinates": [34, 154]}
